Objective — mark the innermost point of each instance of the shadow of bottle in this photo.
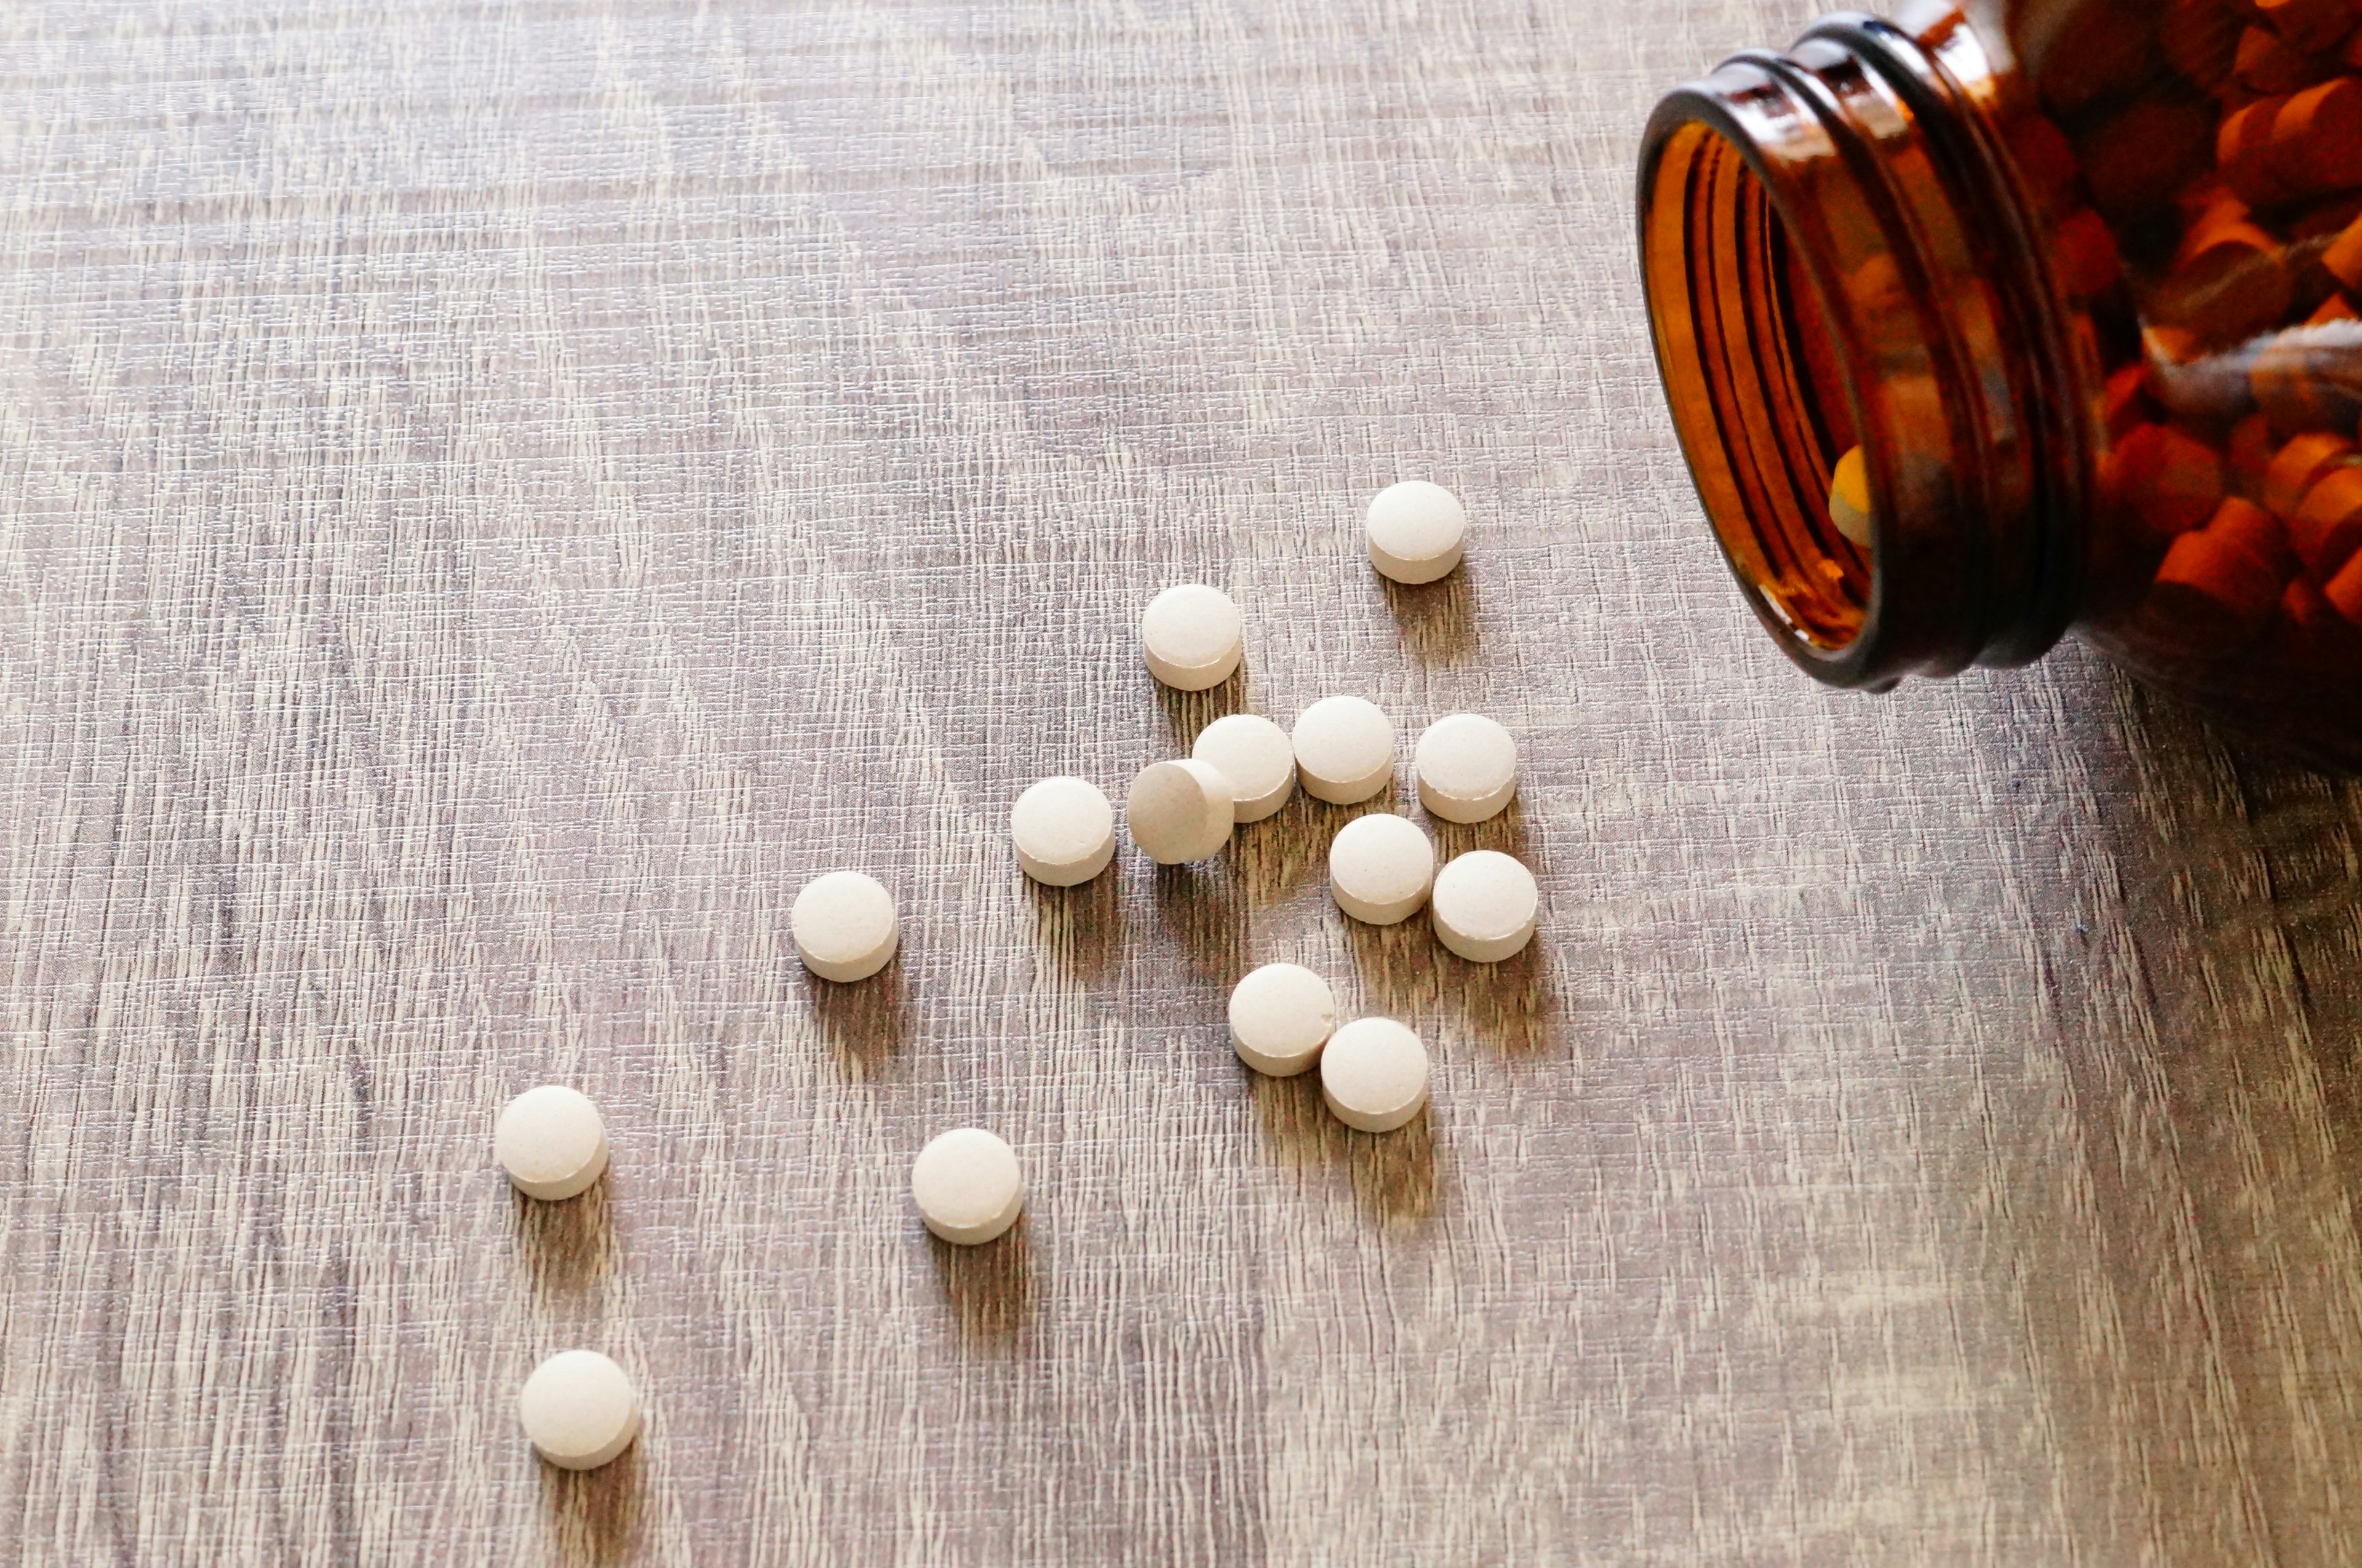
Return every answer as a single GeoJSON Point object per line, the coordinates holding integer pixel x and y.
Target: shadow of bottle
{"type": "Point", "coordinates": [865, 1023]}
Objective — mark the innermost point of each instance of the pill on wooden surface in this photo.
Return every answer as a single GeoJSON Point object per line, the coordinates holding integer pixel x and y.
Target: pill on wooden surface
{"type": "Point", "coordinates": [1850, 498]}
{"type": "Point", "coordinates": [967, 1186]}
{"type": "Point", "coordinates": [1280, 1017]}
{"type": "Point", "coordinates": [1467, 768]}
{"type": "Point", "coordinates": [844, 927]}
{"type": "Point", "coordinates": [1380, 867]}
{"type": "Point", "coordinates": [551, 1143]}
{"type": "Point", "coordinates": [1179, 812]}
{"type": "Point", "coordinates": [1417, 531]}
{"type": "Point", "coordinates": [1193, 637]}
{"type": "Point", "coordinates": [580, 1409]}
{"type": "Point", "coordinates": [1344, 750]}
{"type": "Point", "coordinates": [1485, 906]}
{"type": "Point", "coordinates": [1063, 829]}
{"type": "Point", "coordinates": [1256, 758]}
{"type": "Point", "coordinates": [1374, 1074]}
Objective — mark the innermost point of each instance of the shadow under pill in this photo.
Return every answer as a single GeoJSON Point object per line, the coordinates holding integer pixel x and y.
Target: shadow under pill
{"type": "Point", "coordinates": [1393, 1173]}
{"type": "Point", "coordinates": [569, 1245]}
{"type": "Point", "coordinates": [1188, 713]}
{"type": "Point", "coordinates": [1272, 858]}
{"type": "Point", "coordinates": [864, 1022]}
{"type": "Point", "coordinates": [1197, 906]}
{"type": "Point", "coordinates": [1437, 620]}
{"type": "Point", "coordinates": [1510, 1006]}
{"type": "Point", "coordinates": [1081, 929]}
{"type": "Point", "coordinates": [990, 1288]}
{"type": "Point", "coordinates": [1504, 832]}
{"type": "Point", "coordinates": [594, 1514]}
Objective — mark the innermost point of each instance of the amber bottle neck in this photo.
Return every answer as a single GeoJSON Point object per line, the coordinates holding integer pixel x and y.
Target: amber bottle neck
{"type": "Point", "coordinates": [1837, 252]}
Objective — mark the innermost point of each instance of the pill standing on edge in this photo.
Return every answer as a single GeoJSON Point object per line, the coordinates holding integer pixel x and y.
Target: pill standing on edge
{"type": "Point", "coordinates": [1344, 750]}
{"type": "Point", "coordinates": [580, 1409]}
{"type": "Point", "coordinates": [1280, 1017]}
{"type": "Point", "coordinates": [1467, 768]}
{"type": "Point", "coordinates": [844, 927]}
{"type": "Point", "coordinates": [551, 1143]}
{"type": "Point", "coordinates": [1179, 812]}
{"type": "Point", "coordinates": [1063, 829]}
{"type": "Point", "coordinates": [1484, 906]}
{"type": "Point", "coordinates": [967, 1186]}
{"type": "Point", "coordinates": [1257, 759]}
{"type": "Point", "coordinates": [1415, 531]}
{"type": "Point", "coordinates": [1850, 498]}
{"type": "Point", "coordinates": [1380, 867]}
{"type": "Point", "coordinates": [1193, 637]}
{"type": "Point", "coordinates": [1374, 1074]}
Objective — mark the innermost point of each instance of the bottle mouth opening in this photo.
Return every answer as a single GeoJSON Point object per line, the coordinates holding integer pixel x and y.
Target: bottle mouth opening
{"type": "Point", "coordinates": [1756, 378]}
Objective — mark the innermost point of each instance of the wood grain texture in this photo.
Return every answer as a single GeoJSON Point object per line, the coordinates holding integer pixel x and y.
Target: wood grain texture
{"type": "Point", "coordinates": [494, 496]}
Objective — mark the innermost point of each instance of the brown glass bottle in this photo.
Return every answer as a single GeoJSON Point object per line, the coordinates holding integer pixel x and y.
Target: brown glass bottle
{"type": "Point", "coordinates": [2084, 280]}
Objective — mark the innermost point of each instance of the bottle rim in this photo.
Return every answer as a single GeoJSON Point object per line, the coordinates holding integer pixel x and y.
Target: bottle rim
{"type": "Point", "coordinates": [1854, 180]}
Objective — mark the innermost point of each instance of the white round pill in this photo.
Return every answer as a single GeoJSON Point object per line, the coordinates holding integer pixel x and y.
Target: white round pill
{"type": "Point", "coordinates": [967, 1187]}
{"type": "Point", "coordinates": [1280, 1017]}
{"type": "Point", "coordinates": [580, 1409]}
{"type": "Point", "coordinates": [1179, 812]}
{"type": "Point", "coordinates": [1063, 829]}
{"type": "Point", "coordinates": [1485, 906]}
{"type": "Point", "coordinates": [1256, 756]}
{"type": "Point", "coordinates": [551, 1141]}
{"type": "Point", "coordinates": [1193, 637]}
{"type": "Point", "coordinates": [1415, 531]}
{"type": "Point", "coordinates": [1374, 1074]}
{"type": "Point", "coordinates": [845, 925]}
{"type": "Point", "coordinates": [1467, 768]}
{"type": "Point", "coordinates": [1344, 750]}
{"type": "Point", "coordinates": [1380, 867]}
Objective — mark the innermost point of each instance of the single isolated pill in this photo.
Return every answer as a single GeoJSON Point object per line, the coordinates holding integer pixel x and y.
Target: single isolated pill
{"type": "Point", "coordinates": [845, 925]}
{"type": "Point", "coordinates": [967, 1187]}
{"type": "Point", "coordinates": [580, 1409]}
{"type": "Point", "coordinates": [1374, 1074]}
{"type": "Point", "coordinates": [1485, 905]}
{"type": "Point", "coordinates": [1256, 756]}
{"type": "Point", "coordinates": [1280, 1017]}
{"type": "Point", "coordinates": [1193, 637]}
{"type": "Point", "coordinates": [551, 1143]}
{"type": "Point", "coordinates": [1467, 768]}
{"type": "Point", "coordinates": [1850, 498]}
{"type": "Point", "coordinates": [1063, 829]}
{"type": "Point", "coordinates": [1344, 750]}
{"type": "Point", "coordinates": [1415, 531]}
{"type": "Point", "coordinates": [1380, 867]}
{"type": "Point", "coordinates": [1179, 812]}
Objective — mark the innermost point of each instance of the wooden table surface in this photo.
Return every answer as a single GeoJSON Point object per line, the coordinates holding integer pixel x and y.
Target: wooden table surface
{"type": "Point", "coordinates": [494, 495]}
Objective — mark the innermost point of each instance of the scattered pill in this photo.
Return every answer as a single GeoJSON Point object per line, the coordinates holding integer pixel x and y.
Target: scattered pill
{"type": "Point", "coordinates": [551, 1143]}
{"type": "Point", "coordinates": [1179, 812]}
{"type": "Point", "coordinates": [1467, 768]}
{"type": "Point", "coordinates": [580, 1409]}
{"type": "Point", "coordinates": [1380, 867]}
{"type": "Point", "coordinates": [967, 1187]}
{"type": "Point", "coordinates": [844, 927]}
{"type": "Point", "coordinates": [1374, 1074]}
{"type": "Point", "coordinates": [1280, 1017]}
{"type": "Point", "coordinates": [1850, 498]}
{"type": "Point", "coordinates": [1256, 756]}
{"type": "Point", "coordinates": [1063, 829]}
{"type": "Point", "coordinates": [1484, 906]}
{"type": "Point", "coordinates": [1193, 637]}
{"type": "Point", "coordinates": [1344, 750]}
{"type": "Point", "coordinates": [1417, 530]}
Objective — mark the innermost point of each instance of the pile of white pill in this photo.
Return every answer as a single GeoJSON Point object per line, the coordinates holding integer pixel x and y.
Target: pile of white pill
{"type": "Point", "coordinates": [580, 1409]}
